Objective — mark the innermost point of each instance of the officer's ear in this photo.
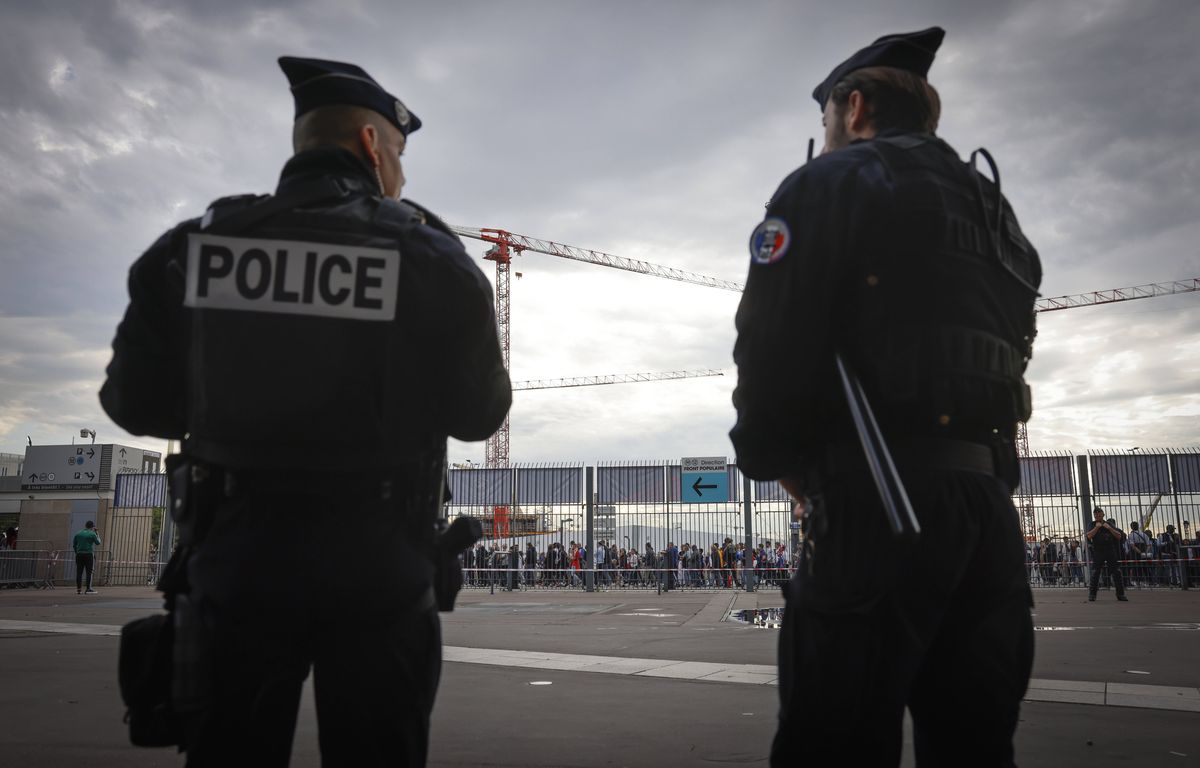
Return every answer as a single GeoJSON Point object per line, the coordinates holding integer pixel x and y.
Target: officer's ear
{"type": "Point", "coordinates": [858, 115]}
{"type": "Point", "coordinates": [368, 139]}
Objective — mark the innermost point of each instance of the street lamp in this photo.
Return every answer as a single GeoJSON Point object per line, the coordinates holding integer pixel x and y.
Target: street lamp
{"type": "Point", "coordinates": [1133, 452]}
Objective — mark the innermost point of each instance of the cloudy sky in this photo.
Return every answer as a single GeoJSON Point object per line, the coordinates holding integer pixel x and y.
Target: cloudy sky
{"type": "Point", "coordinates": [655, 131]}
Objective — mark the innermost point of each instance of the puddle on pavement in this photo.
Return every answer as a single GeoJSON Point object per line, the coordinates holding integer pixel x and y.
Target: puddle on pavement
{"type": "Point", "coordinates": [763, 618]}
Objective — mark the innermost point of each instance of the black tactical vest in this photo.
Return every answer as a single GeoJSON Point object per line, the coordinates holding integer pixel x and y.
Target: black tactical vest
{"type": "Point", "coordinates": [941, 318]}
{"type": "Point", "coordinates": [301, 355]}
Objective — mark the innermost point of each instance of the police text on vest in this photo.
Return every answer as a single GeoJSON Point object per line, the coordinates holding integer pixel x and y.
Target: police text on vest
{"type": "Point", "coordinates": [290, 277]}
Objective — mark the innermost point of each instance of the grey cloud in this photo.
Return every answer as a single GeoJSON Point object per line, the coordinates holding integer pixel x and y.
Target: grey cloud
{"type": "Point", "coordinates": [655, 132]}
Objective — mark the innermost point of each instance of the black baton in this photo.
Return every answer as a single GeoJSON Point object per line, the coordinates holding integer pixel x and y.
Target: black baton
{"type": "Point", "coordinates": [891, 489]}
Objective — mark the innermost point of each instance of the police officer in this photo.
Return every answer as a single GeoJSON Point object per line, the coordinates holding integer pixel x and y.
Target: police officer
{"type": "Point", "coordinates": [891, 251]}
{"type": "Point", "coordinates": [313, 349]}
{"type": "Point", "coordinates": [1106, 540]}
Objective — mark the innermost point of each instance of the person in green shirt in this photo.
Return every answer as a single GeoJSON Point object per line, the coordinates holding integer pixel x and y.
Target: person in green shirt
{"type": "Point", "coordinates": [84, 544]}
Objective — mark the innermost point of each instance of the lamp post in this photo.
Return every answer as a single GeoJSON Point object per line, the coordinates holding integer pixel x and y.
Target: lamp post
{"type": "Point", "coordinates": [1138, 481]}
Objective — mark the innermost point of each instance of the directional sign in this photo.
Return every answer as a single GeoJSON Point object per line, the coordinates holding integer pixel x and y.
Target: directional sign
{"type": "Point", "coordinates": [82, 467]}
{"type": "Point", "coordinates": [61, 467]}
{"type": "Point", "coordinates": [704, 480]}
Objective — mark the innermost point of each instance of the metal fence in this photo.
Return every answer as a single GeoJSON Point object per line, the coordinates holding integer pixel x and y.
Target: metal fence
{"type": "Point", "coordinates": [535, 517]}
{"type": "Point", "coordinates": [133, 534]}
{"type": "Point", "coordinates": [628, 525]}
{"type": "Point", "coordinates": [1156, 492]}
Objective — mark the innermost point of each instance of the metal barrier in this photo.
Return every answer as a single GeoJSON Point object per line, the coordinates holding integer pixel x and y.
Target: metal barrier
{"type": "Point", "coordinates": [1136, 573]}
{"type": "Point", "coordinates": [21, 567]}
{"type": "Point", "coordinates": [505, 579]}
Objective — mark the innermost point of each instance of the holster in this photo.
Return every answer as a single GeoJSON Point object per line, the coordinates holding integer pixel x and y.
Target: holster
{"type": "Point", "coordinates": [144, 675]}
{"type": "Point", "coordinates": [450, 543]}
{"type": "Point", "coordinates": [149, 667]}
{"type": "Point", "coordinates": [145, 667]}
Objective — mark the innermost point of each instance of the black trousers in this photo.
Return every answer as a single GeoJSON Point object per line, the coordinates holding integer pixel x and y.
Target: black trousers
{"type": "Point", "coordinates": [273, 595]}
{"type": "Point", "coordinates": [1106, 557]}
{"type": "Point", "coordinates": [941, 627]}
{"type": "Point", "coordinates": [84, 561]}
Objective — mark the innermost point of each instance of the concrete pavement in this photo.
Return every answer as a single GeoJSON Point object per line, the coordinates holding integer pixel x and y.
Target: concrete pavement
{"type": "Point", "coordinates": [626, 679]}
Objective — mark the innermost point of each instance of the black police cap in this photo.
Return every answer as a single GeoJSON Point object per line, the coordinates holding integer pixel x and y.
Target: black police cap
{"type": "Point", "coordinates": [910, 51]}
{"type": "Point", "coordinates": [317, 83]}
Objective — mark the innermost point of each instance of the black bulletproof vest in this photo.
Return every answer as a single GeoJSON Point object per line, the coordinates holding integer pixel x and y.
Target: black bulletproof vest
{"type": "Point", "coordinates": [281, 389]}
{"type": "Point", "coordinates": [941, 321]}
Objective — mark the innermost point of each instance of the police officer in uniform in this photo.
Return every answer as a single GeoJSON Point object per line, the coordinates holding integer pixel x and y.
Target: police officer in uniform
{"type": "Point", "coordinates": [891, 251]}
{"type": "Point", "coordinates": [313, 349]}
{"type": "Point", "coordinates": [1105, 539]}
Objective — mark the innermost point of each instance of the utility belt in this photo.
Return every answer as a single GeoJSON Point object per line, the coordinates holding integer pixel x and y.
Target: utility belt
{"type": "Point", "coordinates": [197, 487]}
{"type": "Point", "coordinates": [915, 454]}
{"type": "Point", "coordinates": [997, 459]}
{"type": "Point", "coordinates": [230, 483]}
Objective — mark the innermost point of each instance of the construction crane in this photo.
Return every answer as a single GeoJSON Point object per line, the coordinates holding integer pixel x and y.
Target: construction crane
{"type": "Point", "coordinates": [1148, 291]}
{"type": "Point", "coordinates": [618, 378]}
{"type": "Point", "coordinates": [506, 244]}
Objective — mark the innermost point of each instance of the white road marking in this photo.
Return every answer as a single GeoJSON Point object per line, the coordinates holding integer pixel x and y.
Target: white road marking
{"type": "Point", "coordinates": [1182, 699]}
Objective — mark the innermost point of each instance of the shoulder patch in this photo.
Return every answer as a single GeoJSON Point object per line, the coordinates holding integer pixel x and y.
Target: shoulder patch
{"type": "Point", "coordinates": [770, 241]}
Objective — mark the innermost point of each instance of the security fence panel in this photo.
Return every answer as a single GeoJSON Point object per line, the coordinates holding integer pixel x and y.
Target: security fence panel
{"type": "Point", "coordinates": [633, 506]}
{"type": "Point", "coordinates": [1185, 472]}
{"type": "Point", "coordinates": [1134, 490]}
{"type": "Point", "coordinates": [1130, 488]}
{"type": "Point", "coordinates": [549, 485]}
{"type": "Point", "coordinates": [1124, 473]}
{"type": "Point", "coordinates": [631, 484]}
{"type": "Point", "coordinates": [1047, 475]}
{"type": "Point", "coordinates": [642, 529]}
{"type": "Point", "coordinates": [1048, 507]}
{"type": "Point", "coordinates": [1185, 476]}
{"type": "Point", "coordinates": [528, 512]}
{"type": "Point", "coordinates": [479, 487]}
{"type": "Point", "coordinates": [140, 490]}
{"type": "Point", "coordinates": [777, 535]}
{"type": "Point", "coordinates": [770, 490]}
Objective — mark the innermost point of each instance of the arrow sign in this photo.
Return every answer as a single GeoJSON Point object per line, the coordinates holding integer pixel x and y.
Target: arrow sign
{"type": "Point", "coordinates": [703, 480]}
{"type": "Point", "coordinates": [92, 452]}
{"type": "Point", "coordinates": [91, 475]}
{"type": "Point", "coordinates": [33, 478]}
{"type": "Point", "coordinates": [122, 453]}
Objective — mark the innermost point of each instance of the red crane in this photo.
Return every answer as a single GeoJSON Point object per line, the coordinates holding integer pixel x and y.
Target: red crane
{"type": "Point", "coordinates": [505, 245]}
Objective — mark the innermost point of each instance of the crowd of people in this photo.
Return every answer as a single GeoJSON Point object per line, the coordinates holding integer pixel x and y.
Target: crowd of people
{"type": "Point", "coordinates": [722, 565]}
{"type": "Point", "coordinates": [1146, 559]}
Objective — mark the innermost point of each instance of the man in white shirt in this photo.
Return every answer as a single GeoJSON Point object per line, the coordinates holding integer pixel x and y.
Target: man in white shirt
{"type": "Point", "coordinates": [1137, 550]}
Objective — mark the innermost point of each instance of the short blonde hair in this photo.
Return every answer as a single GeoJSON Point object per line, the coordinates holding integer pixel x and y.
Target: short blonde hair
{"type": "Point", "coordinates": [337, 124]}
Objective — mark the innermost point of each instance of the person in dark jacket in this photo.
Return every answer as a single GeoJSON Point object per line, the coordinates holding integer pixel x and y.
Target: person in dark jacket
{"type": "Point", "coordinates": [313, 349]}
{"type": "Point", "coordinates": [890, 252]}
{"type": "Point", "coordinates": [1107, 541]}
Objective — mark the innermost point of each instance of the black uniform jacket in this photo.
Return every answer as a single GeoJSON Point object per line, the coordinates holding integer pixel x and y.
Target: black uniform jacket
{"type": "Point", "coordinates": [829, 228]}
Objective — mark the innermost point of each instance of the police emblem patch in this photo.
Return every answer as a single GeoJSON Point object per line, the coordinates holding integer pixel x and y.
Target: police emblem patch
{"type": "Point", "coordinates": [769, 241]}
{"type": "Point", "coordinates": [401, 113]}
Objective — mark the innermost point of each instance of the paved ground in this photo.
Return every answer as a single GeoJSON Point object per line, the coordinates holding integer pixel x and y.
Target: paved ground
{"type": "Point", "coordinates": [674, 682]}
